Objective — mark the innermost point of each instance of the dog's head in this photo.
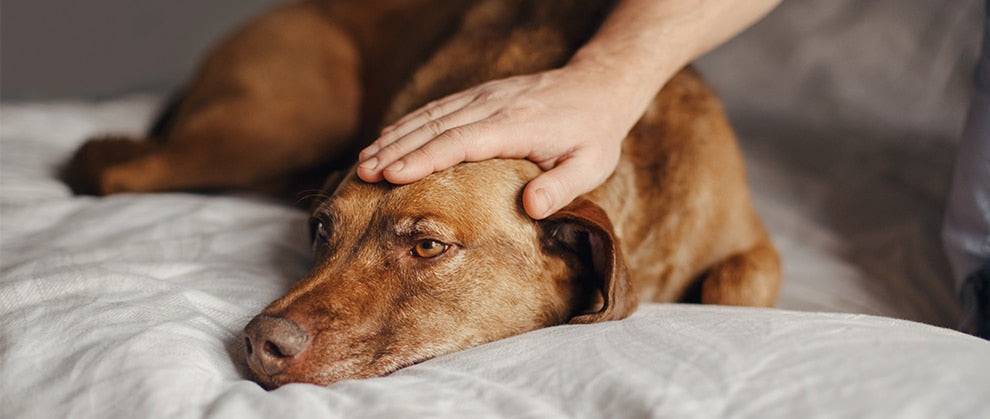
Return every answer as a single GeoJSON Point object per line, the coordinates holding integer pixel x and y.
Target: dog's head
{"type": "Point", "coordinates": [407, 273]}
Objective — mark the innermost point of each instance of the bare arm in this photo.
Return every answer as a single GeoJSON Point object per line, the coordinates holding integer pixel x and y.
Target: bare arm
{"type": "Point", "coordinates": [638, 48]}
{"type": "Point", "coordinates": [644, 42]}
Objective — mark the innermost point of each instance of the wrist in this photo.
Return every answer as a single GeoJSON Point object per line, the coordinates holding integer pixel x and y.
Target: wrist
{"type": "Point", "coordinates": [622, 77]}
{"type": "Point", "coordinates": [604, 69]}
{"type": "Point", "coordinates": [621, 95]}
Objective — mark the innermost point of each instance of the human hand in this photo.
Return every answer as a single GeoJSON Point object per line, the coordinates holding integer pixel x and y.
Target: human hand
{"type": "Point", "coordinates": [568, 121]}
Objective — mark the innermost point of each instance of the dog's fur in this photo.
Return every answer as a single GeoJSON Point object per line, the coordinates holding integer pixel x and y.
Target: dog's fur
{"type": "Point", "coordinates": [298, 90]}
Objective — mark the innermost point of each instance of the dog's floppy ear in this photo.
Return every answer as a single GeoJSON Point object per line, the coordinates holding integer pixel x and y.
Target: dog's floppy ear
{"type": "Point", "coordinates": [584, 228]}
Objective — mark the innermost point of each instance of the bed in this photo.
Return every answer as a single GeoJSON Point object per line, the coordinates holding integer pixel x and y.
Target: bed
{"type": "Point", "coordinates": [131, 305]}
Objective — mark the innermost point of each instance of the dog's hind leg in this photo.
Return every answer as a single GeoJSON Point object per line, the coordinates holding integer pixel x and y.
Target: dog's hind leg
{"type": "Point", "coordinates": [84, 172]}
{"type": "Point", "coordinates": [280, 97]}
{"type": "Point", "coordinates": [240, 143]}
{"type": "Point", "coordinates": [747, 278]}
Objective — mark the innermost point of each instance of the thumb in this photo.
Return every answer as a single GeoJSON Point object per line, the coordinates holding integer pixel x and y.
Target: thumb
{"type": "Point", "coordinates": [556, 188]}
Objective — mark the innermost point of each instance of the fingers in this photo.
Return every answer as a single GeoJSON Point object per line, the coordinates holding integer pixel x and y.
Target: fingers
{"type": "Point", "coordinates": [465, 143]}
{"type": "Point", "coordinates": [433, 110]}
{"type": "Point", "coordinates": [371, 170]}
{"type": "Point", "coordinates": [417, 119]}
{"type": "Point", "coordinates": [554, 189]}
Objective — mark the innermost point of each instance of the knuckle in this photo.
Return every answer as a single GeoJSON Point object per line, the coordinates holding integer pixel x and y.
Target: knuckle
{"type": "Point", "coordinates": [458, 142]}
{"type": "Point", "coordinates": [458, 137]}
{"type": "Point", "coordinates": [428, 155]}
{"type": "Point", "coordinates": [432, 111]}
{"type": "Point", "coordinates": [455, 135]}
{"type": "Point", "coordinates": [510, 113]}
{"type": "Point", "coordinates": [485, 95]}
{"type": "Point", "coordinates": [554, 188]}
{"type": "Point", "coordinates": [487, 86]}
{"type": "Point", "coordinates": [489, 95]}
{"type": "Point", "coordinates": [389, 152]}
{"type": "Point", "coordinates": [435, 127]}
{"type": "Point", "coordinates": [375, 146]}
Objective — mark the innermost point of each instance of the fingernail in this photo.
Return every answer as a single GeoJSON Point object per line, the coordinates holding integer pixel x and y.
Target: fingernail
{"type": "Point", "coordinates": [370, 163]}
{"type": "Point", "coordinates": [542, 202]}
{"type": "Point", "coordinates": [396, 167]}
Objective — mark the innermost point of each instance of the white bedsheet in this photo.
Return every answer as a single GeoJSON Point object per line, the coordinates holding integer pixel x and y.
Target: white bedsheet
{"type": "Point", "coordinates": [129, 306]}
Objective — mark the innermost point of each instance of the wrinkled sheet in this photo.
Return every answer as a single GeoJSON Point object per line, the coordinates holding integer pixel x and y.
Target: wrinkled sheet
{"type": "Point", "coordinates": [129, 306]}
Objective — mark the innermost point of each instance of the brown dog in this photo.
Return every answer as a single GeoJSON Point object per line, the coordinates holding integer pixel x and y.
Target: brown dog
{"type": "Point", "coordinates": [406, 273]}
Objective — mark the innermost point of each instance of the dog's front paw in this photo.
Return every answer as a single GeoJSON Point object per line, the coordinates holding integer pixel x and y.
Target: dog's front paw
{"type": "Point", "coordinates": [87, 172]}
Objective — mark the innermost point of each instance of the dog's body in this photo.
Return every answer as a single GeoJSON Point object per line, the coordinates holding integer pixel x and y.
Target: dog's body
{"type": "Point", "coordinates": [273, 102]}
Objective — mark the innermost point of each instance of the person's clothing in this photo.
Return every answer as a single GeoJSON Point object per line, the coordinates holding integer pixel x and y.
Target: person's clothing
{"type": "Point", "coordinates": [975, 296]}
{"type": "Point", "coordinates": [966, 232]}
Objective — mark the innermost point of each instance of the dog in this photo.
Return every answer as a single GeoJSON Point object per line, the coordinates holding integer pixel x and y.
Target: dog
{"type": "Point", "coordinates": [406, 273]}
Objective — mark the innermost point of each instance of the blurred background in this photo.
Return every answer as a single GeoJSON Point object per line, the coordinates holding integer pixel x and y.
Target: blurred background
{"type": "Point", "coordinates": [848, 112]}
{"type": "Point", "coordinates": [881, 63]}
{"type": "Point", "coordinates": [102, 48]}
{"type": "Point", "coordinates": [890, 62]}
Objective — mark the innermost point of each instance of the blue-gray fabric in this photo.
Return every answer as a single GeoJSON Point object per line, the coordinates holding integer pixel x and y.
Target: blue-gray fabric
{"type": "Point", "coordinates": [967, 220]}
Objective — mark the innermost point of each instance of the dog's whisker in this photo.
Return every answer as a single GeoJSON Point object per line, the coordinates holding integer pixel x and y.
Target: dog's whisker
{"type": "Point", "coordinates": [311, 194]}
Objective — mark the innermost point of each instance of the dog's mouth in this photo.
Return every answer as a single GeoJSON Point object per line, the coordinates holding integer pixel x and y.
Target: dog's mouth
{"type": "Point", "coordinates": [329, 377]}
{"type": "Point", "coordinates": [407, 365]}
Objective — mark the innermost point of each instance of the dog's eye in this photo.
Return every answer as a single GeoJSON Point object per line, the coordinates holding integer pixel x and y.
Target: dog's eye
{"type": "Point", "coordinates": [318, 231]}
{"type": "Point", "coordinates": [429, 248]}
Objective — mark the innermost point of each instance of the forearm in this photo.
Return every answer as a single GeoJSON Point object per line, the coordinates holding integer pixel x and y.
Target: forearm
{"type": "Point", "coordinates": [645, 42]}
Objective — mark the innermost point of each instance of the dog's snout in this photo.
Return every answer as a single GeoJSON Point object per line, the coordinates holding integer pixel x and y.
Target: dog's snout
{"type": "Point", "coordinates": [271, 343]}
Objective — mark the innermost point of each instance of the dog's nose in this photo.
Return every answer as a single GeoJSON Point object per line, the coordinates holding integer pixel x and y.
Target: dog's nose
{"type": "Point", "coordinates": [270, 343]}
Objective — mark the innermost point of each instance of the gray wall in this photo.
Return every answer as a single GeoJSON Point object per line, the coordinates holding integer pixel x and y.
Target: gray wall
{"type": "Point", "coordinates": [879, 64]}
{"type": "Point", "coordinates": [98, 48]}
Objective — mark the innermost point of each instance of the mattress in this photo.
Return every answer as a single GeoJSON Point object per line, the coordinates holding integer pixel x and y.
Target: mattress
{"type": "Point", "coordinates": [131, 305]}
